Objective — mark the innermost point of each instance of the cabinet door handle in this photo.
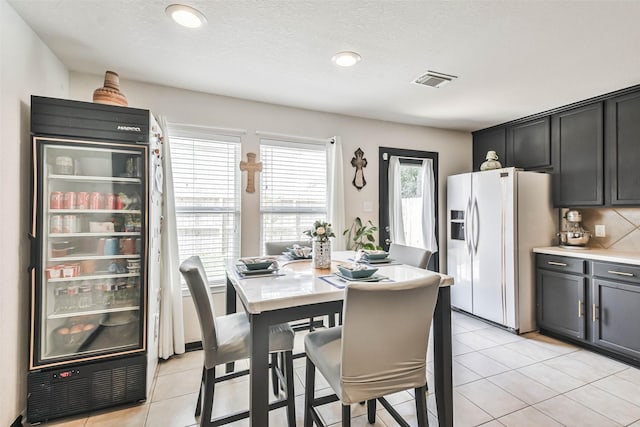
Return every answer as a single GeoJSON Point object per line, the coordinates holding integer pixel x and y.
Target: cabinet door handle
{"type": "Point", "coordinates": [620, 273]}
{"type": "Point", "coordinates": [594, 313]}
{"type": "Point", "coordinates": [580, 305]}
{"type": "Point", "coordinates": [561, 264]}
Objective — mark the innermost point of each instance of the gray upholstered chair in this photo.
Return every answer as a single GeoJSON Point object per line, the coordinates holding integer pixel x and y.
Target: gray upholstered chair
{"type": "Point", "coordinates": [380, 348]}
{"type": "Point", "coordinates": [226, 339]}
{"type": "Point", "coordinates": [277, 248]}
{"type": "Point", "coordinates": [410, 255]}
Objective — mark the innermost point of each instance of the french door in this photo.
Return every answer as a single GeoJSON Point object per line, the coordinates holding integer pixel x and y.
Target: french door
{"type": "Point", "coordinates": [410, 162]}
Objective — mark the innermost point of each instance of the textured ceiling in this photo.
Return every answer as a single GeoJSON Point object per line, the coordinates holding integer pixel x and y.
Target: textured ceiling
{"type": "Point", "coordinates": [512, 58]}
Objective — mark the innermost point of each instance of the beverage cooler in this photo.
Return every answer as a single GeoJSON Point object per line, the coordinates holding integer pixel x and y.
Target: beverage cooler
{"type": "Point", "coordinates": [90, 249]}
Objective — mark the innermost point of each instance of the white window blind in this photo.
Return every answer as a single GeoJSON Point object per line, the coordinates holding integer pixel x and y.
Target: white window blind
{"type": "Point", "coordinates": [207, 192]}
{"type": "Point", "coordinates": [293, 188]}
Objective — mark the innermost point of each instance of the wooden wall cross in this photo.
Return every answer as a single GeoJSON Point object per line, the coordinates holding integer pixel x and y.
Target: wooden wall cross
{"type": "Point", "coordinates": [359, 162]}
{"type": "Point", "coordinates": [251, 167]}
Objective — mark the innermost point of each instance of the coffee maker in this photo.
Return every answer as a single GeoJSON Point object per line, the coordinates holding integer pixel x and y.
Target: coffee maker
{"type": "Point", "coordinates": [574, 236]}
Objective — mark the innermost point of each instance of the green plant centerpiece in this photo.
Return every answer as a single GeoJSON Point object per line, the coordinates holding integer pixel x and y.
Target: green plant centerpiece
{"type": "Point", "coordinates": [320, 244]}
{"type": "Point", "coordinates": [361, 235]}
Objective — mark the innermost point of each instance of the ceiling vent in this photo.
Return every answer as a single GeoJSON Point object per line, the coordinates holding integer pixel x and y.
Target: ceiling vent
{"type": "Point", "coordinates": [434, 79]}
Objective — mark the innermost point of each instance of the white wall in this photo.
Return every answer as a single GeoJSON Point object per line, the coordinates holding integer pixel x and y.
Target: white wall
{"type": "Point", "coordinates": [197, 108]}
{"type": "Point", "coordinates": [27, 67]}
{"type": "Point", "coordinates": [182, 106]}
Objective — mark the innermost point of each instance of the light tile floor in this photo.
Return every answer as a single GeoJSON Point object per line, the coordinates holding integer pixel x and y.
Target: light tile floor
{"type": "Point", "coordinates": [500, 379]}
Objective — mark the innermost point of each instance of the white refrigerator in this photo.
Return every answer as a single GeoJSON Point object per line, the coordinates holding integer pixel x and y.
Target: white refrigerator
{"type": "Point", "coordinates": [494, 220]}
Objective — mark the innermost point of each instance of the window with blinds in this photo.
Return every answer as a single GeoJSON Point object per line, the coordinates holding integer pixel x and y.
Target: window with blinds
{"type": "Point", "coordinates": [206, 182]}
{"type": "Point", "coordinates": [293, 189]}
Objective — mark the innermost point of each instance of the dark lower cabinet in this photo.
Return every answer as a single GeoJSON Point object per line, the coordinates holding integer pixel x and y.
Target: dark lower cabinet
{"type": "Point", "coordinates": [616, 316]}
{"type": "Point", "coordinates": [594, 303]}
{"type": "Point", "coordinates": [561, 303]}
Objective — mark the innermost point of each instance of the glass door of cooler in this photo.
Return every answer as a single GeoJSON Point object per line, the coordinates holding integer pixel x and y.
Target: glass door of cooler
{"type": "Point", "coordinates": [91, 221]}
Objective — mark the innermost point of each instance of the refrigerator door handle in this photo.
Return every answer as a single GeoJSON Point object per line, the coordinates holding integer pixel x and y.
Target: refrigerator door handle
{"type": "Point", "coordinates": [476, 226]}
{"type": "Point", "coordinates": [467, 226]}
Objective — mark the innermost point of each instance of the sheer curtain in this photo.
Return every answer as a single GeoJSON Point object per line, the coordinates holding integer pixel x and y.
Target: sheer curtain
{"type": "Point", "coordinates": [335, 193]}
{"type": "Point", "coordinates": [428, 207]}
{"type": "Point", "coordinates": [171, 318]}
{"type": "Point", "coordinates": [396, 224]}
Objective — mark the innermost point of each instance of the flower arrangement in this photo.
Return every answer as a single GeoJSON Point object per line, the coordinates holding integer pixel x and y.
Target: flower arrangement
{"type": "Point", "coordinates": [321, 231]}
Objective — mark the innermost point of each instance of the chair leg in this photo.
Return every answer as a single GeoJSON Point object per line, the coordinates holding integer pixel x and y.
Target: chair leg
{"type": "Point", "coordinates": [311, 328]}
{"type": "Point", "coordinates": [371, 411]}
{"type": "Point", "coordinates": [199, 404]}
{"type": "Point", "coordinates": [275, 384]}
{"type": "Point", "coordinates": [421, 406]}
{"type": "Point", "coordinates": [209, 384]}
{"type": "Point", "coordinates": [346, 415]}
{"type": "Point", "coordinates": [310, 380]}
{"type": "Point", "coordinates": [291, 395]}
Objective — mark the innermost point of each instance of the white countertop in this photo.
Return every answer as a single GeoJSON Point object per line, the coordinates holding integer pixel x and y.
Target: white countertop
{"type": "Point", "coordinates": [301, 284]}
{"type": "Point", "coordinates": [632, 258]}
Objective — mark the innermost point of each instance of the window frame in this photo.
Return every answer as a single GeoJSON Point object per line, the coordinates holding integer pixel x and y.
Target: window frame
{"type": "Point", "coordinates": [319, 146]}
{"type": "Point", "coordinates": [216, 135]}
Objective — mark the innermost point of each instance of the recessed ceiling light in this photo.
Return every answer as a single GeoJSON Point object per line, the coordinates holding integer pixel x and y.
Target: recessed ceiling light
{"type": "Point", "coordinates": [346, 58]}
{"type": "Point", "coordinates": [186, 15]}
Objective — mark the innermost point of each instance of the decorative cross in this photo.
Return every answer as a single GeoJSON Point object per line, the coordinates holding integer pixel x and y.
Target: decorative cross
{"type": "Point", "coordinates": [359, 162]}
{"type": "Point", "coordinates": [251, 167]}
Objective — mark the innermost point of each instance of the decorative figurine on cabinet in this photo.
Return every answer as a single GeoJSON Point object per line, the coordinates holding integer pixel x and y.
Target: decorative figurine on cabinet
{"type": "Point", "coordinates": [491, 163]}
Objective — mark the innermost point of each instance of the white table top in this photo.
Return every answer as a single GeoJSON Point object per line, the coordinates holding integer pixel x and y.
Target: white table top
{"type": "Point", "coordinates": [300, 284]}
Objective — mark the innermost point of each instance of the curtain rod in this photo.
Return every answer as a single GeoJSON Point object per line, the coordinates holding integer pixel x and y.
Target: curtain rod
{"type": "Point", "coordinates": [209, 129]}
{"type": "Point", "coordinates": [267, 134]}
{"type": "Point", "coordinates": [385, 157]}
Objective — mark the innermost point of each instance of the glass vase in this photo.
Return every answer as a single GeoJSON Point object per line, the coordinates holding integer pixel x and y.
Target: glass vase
{"type": "Point", "coordinates": [321, 255]}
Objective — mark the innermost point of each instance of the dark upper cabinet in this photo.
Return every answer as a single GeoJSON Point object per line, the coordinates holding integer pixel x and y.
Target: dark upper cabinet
{"type": "Point", "coordinates": [529, 144]}
{"type": "Point", "coordinates": [488, 140]}
{"type": "Point", "coordinates": [577, 155]}
{"type": "Point", "coordinates": [622, 149]}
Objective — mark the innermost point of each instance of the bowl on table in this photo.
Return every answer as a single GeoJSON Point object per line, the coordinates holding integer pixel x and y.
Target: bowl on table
{"type": "Point", "coordinates": [256, 263]}
{"type": "Point", "coordinates": [375, 254]}
{"type": "Point", "coordinates": [357, 272]}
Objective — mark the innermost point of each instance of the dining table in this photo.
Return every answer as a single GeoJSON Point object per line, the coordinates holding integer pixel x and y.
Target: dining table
{"type": "Point", "coordinates": [295, 290]}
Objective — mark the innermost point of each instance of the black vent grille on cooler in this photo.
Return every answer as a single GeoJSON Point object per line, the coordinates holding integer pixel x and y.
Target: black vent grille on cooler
{"type": "Point", "coordinates": [38, 397]}
{"type": "Point", "coordinates": [101, 388]}
{"type": "Point", "coordinates": [136, 384]}
{"type": "Point", "coordinates": [119, 384]}
{"type": "Point", "coordinates": [83, 388]}
{"type": "Point", "coordinates": [78, 398]}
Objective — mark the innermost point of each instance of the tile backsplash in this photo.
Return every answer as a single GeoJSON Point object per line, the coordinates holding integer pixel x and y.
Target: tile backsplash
{"type": "Point", "coordinates": [622, 228]}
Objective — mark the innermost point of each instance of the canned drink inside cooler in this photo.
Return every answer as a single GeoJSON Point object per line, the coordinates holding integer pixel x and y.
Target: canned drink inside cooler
{"type": "Point", "coordinates": [70, 224]}
{"type": "Point", "coordinates": [96, 201]}
{"type": "Point", "coordinates": [82, 200]}
{"type": "Point", "coordinates": [110, 201]}
{"type": "Point", "coordinates": [55, 225]}
{"type": "Point", "coordinates": [69, 201]}
{"type": "Point", "coordinates": [55, 200]}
